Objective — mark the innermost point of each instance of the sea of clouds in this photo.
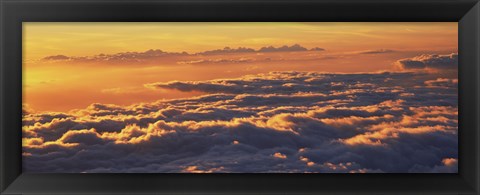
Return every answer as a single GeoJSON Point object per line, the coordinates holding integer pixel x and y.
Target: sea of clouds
{"type": "Point", "coordinates": [392, 122]}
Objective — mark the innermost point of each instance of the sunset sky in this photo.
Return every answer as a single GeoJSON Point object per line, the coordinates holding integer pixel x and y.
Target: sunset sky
{"type": "Point", "coordinates": [349, 47]}
{"type": "Point", "coordinates": [240, 97]}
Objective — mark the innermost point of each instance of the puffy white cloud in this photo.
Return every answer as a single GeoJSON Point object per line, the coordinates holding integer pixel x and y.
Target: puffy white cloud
{"type": "Point", "coordinates": [272, 122]}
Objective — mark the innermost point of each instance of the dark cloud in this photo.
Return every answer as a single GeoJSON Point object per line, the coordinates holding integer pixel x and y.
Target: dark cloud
{"type": "Point", "coordinates": [430, 61]}
{"type": "Point", "coordinates": [442, 82]}
{"type": "Point", "coordinates": [275, 83]}
{"type": "Point", "coordinates": [317, 49]}
{"type": "Point", "coordinates": [273, 122]}
{"type": "Point", "coordinates": [228, 50]}
{"type": "Point", "coordinates": [285, 48]}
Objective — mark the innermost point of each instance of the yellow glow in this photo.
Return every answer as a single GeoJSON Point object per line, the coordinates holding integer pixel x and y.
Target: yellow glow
{"type": "Point", "coordinates": [79, 39]}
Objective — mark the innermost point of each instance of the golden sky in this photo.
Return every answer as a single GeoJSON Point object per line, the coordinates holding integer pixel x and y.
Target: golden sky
{"type": "Point", "coordinates": [75, 38]}
{"type": "Point", "coordinates": [70, 84]}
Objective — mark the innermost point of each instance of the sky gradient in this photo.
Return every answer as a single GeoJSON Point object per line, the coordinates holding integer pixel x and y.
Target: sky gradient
{"type": "Point", "coordinates": [349, 47]}
{"type": "Point", "coordinates": [240, 97]}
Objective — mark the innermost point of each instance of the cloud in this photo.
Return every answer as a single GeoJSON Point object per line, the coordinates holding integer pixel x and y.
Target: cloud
{"type": "Point", "coordinates": [227, 50]}
{"type": "Point", "coordinates": [285, 48]}
{"type": "Point", "coordinates": [57, 57]}
{"type": "Point", "coordinates": [152, 54]}
{"type": "Point", "coordinates": [282, 83]}
{"type": "Point", "coordinates": [429, 61]}
{"type": "Point", "coordinates": [82, 136]}
{"type": "Point", "coordinates": [279, 155]}
{"type": "Point", "coordinates": [447, 165]}
{"type": "Point", "coordinates": [303, 122]}
{"type": "Point", "coordinates": [266, 49]}
{"type": "Point", "coordinates": [317, 49]}
{"type": "Point", "coordinates": [116, 58]}
{"type": "Point", "coordinates": [378, 51]}
{"type": "Point", "coordinates": [217, 61]}
{"type": "Point", "coordinates": [442, 82]}
{"type": "Point", "coordinates": [26, 109]}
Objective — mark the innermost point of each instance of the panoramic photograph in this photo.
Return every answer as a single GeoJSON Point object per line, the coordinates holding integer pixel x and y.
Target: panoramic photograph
{"type": "Point", "coordinates": [240, 97]}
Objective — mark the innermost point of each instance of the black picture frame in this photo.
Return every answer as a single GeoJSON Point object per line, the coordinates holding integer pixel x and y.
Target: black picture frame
{"type": "Point", "coordinates": [14, 12]}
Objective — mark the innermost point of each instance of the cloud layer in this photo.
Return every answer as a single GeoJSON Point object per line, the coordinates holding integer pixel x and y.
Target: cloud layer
{"type": "Point", "coordinates": [378, 51]}
{"type": "Point", "coordinates": [430, 61]}
{"type": "Point", "coordinates": [272, 122]}
{"type": "Point", "coordinates": [157, 53]}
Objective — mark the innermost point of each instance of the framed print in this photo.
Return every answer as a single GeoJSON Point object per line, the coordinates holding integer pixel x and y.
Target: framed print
{"type": "Point", "coordinates": [320, 97]}
{"type": "Point", "coordinates": [271, 108]}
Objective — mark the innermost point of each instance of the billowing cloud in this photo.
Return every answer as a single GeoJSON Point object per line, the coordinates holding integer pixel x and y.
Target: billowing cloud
{"type": "Point", "coordinates": [430, 61]}
{"type": "Point", "coordinates": [272, 122]}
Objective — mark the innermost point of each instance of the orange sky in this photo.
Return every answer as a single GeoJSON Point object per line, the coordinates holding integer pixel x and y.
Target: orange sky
{"type": "Point", "coordinates": [65, 85]}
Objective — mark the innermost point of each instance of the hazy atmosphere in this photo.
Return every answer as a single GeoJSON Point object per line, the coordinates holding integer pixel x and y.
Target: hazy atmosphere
{"type": "Point", "coordinates": [240, 97]}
